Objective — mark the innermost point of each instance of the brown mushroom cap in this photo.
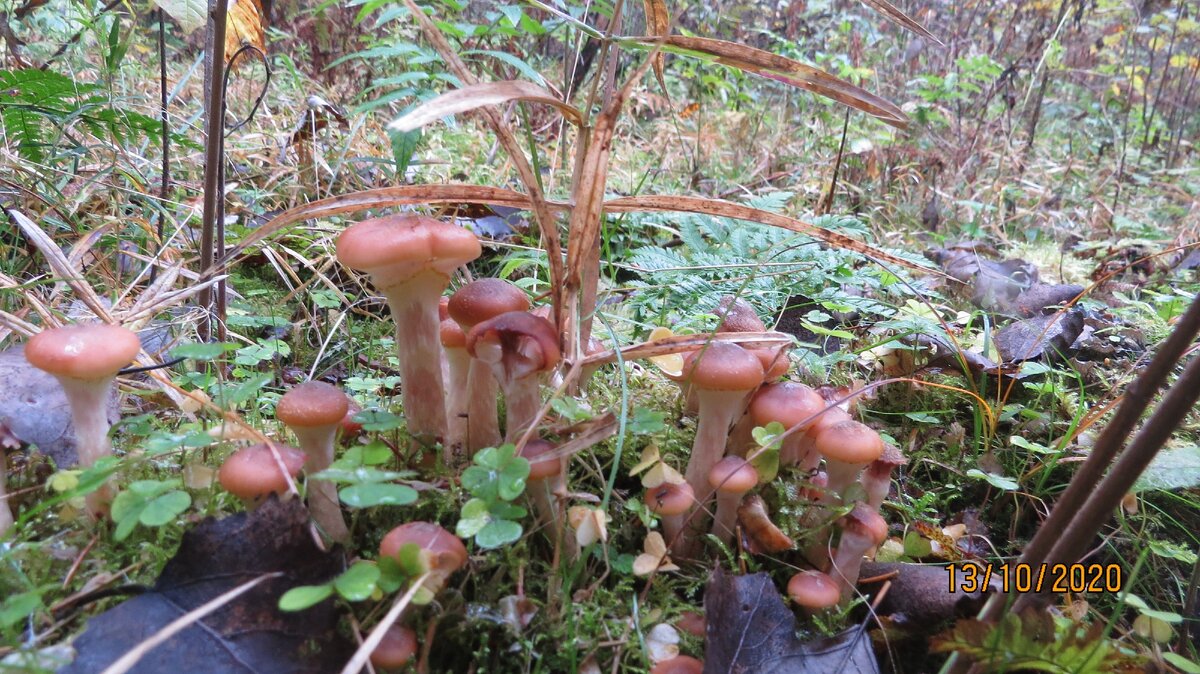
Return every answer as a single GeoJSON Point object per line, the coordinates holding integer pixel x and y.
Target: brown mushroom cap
{"type": "Point", "coordinates": [775, 362]}
{"type": "Point", "coordinates": [447, 553]}
{"type": "Point", "coordinates": [692, 622]}
{"type": "Point", "coordinates": [680, 664]}
{"type": "Point", "coordinates": [252, 472]}
{"type": "Point", "coordinates": [486, 298]}
{"type": "Point", "coordinates": [670, 498]}
{"type": "Point", "coordinates": [398, 646]}
{"type": "Point", "coordinates": [733, 475]}
{"type": "Point", "coordinates": [394, 248]}
{"type": "Point", "coordinates": [849, 442]}
{"type": "Point", "coordinates": [83, 351]}
{"type": "Point", "coordinates": [814, 590]}
{"type": "Point", "coordinates": [542, 462]}
{"type": "Point", "coordinates": [453, 336]}
{"type": "Point", "coordinates": [313, 403]}
{"type": "Point", "coordinates": [864, 521]}
{"type": "Point", "coordinates": [739, 316]}
{"type": "Point", "coordinates": [524, 343]}
{"type": "Point", "coordinates": [722, 366]}
{"type": "Point", "coordinates": [350, 427]}
{"type": "Point", "coordinates": [788, 403]}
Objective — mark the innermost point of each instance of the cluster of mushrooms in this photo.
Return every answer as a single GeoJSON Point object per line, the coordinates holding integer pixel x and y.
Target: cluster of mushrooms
{"type": "Point", "coordinates": [457, 354]}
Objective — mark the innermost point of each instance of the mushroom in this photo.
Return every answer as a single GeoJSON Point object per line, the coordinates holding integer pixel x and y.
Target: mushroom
{"type": "Point", "coordinates": [444, 553]}
{"type": "Point", "coordinates": [350, 428]}
{"type": "Point", "coordinates": [814, 591]}
{"type": "Point", "coordinates": [680, 664]}
{"type": "Point", "coordinates": [847, 446]}
{"type": "Point", "coordinates": [396, 649]}
{"type": "Point", "coordinates": [670, 501]}
{"type": "Point", "coordinates": [85, 359]}
{"type": "Point", "coordinates": [722, 374]}
{"type": "Point", "coordinates": [877, 478]}
{"type": "Point", "coordinates": [458, 391]}
{"type": "Point", "coordinates": [732, 477]}
{"type": "Point", "coordinates": [691, 622]}
{"type": "Point", "coordinates": [738, 316]}
{"type": "Point", "coordinates": [469, 306]}
{"type": "Point", "coordinates": [410, 260]}
{"type": "Point", "coordinates": [253, 473]}
{"type": "Point", "coordinates": [807, 456]}
{"type": "Point", "coordinates": [789, 404]}
{"type": "Point", "coordinates": [862, 530]}
{"type": "Point", "coordinates": [314, 411]}
{"type": "Point", "coordinates": [517, 346]}
{"type": "Point", "coordinates": [546, 480]}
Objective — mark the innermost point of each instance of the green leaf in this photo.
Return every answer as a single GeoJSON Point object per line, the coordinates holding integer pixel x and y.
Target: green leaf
{"type": "Point", "coordinates": [404, 146]}
{"type": "Point", "coordinates": [1173, 468]}
{"type": "Point", "coordinates": [1181, 663]}
{"type": "Point", "coordinates": [190, 14]}
{"type": "Point", "coordinates": [377, 493]}
{"type": "Point", "coordinates": [236, 395]}
{"type": "Point", "coordinates": [498, 533]}
{"type": "Point", "coordinates": [997, 481]}
{"type": "Point", "coordinates": [304, 596]}
{"type": "Point", "coordinates": [507, 511]}
{"type": "Point", "coordinates": [570, 409]}
{"type": "Point", "coordinates": [646, 421]}
{"type": "Point", "coordinates": [201, 351]}
{"type": "Point", "coordinates": [378, 421]}
{"type": "Point", "coordinates": [19, 607]}
{"type": "Point", "coordinates": [165, 508]}
{"type": "Point", "coordinates": [358, 582]}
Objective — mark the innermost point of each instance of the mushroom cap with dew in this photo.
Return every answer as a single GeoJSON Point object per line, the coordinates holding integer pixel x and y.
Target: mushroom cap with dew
{"type": "Point", "coordinates": [542, 462]}
{"type": "Point", "coordinates": [670, 498]}
{"type": "Point", "coordinates": [521, 342]}
{"type": "Point", "coordinates": [84, 351]}
{"type": "Point", "coordinates": [313, 403]}
{"type": "Point", "coordinates": [452, 335]}
{"type": "Point", "coordinates": [739, 316]}
{"type": "Point", "coordinates": [447, 553]}
{"type": "Point", "coordinates": [733, 475]}
{"type": "Point", "coordinates": [786, 402]}
{"type": "Point", "coordinates": [722, 366]}
{"type": "Point", "coordinates": [398, 646]}
{"type": "Point", "coordinates": [864, 521]}
{"type": "Point", "coordinates": [814, 590]}
{"type": "Point", "coordinates": [252, 472]}
{"type": "Point", "coordinates": [849, 442]}
{"type": "Point", "coordinates": [485, 298]}
{"type": "Point", "coordinates": [680, 664]}
{"type": "Point", "coordinates": [394, 248]}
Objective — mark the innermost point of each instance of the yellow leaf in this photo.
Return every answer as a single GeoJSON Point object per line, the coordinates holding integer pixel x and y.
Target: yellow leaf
{"type": "Point", "coordinates": [654, 558]}
{"type": "Point", "coordinates": [649, 458]}
{"type": "Point", "coordinates": [244, 24]}
{"type": "Point", "coordinates": [659, 474]}
{"type": "Point", "coordinates": [670, 364]}
{"type": "Point", "coordinates": [590, 524]}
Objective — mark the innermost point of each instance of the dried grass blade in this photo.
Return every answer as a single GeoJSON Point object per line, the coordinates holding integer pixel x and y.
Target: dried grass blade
{"type": "Point", "coordinates": [658, 23]}
{"type": "Point", "coordinates": [898, 17]}
{"type": "Point", "coordinates": [364, 651]}
{"type": "Point", "coordinates": [682, 343]}
{"type": "Point", "coordinates": [594, 430]}
{"type": "Point", "coordinates": [61, 266]}
{"type": "Point", "coordinates": [779, 68]}
{"type": "Point", "coordinates": [728, 209]}
{"type": "Point", "coordinates": [475, 96]}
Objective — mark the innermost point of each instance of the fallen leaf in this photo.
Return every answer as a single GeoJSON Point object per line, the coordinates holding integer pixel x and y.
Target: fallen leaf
{"type": "Point", "coordinates": [590, 524]}
{"type": "Point", "coordinates": [245, 24]}
{"type": "Point", "coordinates": [920, 593]}
{"type": "Point", "coordinates": [654, 558]}
{"type": "Point", "coordinates": [248, 635]}
{"type": "Point", "coordinates": [1029, 339]}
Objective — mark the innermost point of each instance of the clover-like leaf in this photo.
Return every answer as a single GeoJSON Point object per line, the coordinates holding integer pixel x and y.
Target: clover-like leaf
{"type": "Point", "coordinates": [303, 596]}
{"type": "Point", "coordinates": [377, 493]}
{"type": "Point", "coordinates": [498, 533]}
{"type": "Point", "coordinates": [358, 582]}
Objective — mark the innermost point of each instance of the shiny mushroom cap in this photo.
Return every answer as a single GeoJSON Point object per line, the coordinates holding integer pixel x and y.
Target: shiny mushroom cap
{"type": "Point", "coordinates": [84, 351]}
{"type": "Point", "coordinates": [486, 298]}
{"type": "Point", "coordinates": [252, 472]}
{"type": "Point", "coordinates": [313, 403]}
{"type": "Point", "coordinates": [849, 442]}
{"type": "Point", "coordinates": [396, 649]}
{"type": "Point", "coordinates": [814, 590]}
{"type": "Point", "coordinates": [680, 664]}
{"type": "Point", "coordinates": [542, 462]}
{"type": "Point", "coordinates": [394, 248]}
{"type": "Point", "coordinates": [521, 342]}
{"type": "Point", "coordinates": [788, 403]}
{"type": "Point", "coordinates": [739, 316]}
{"type": "Point", "coordinates": [722, 366]}
{"type": "Point", "coordinates": [733, 475]}
{"type": "Point", "coordinates": [452, 335]}
{"type": "Point", "coordinates": [670, 498]}
{"type": "Point", "coordinates": [447, 553]}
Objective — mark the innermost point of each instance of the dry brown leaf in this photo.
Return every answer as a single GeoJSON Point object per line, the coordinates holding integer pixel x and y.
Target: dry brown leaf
{"type": "Point", "coordinates": [658, 22]}
{"type": "Point", "coordinates": [475, 96]}
{"type": "Point", "coordinates": [244, 24]}
{"type": "Point", "coordinates": [898, 17]}
{"type": "Point", "coordinates": [779, 68]}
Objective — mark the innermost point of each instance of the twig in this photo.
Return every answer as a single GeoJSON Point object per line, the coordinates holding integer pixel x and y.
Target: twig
{"type": "Point", "coordinates": [165, 187]}
{"type": "Point", "coordinates": [214, 146]}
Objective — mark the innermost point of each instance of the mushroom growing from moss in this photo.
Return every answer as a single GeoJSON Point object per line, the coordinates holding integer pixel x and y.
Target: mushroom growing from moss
{"type": "Point", "coordinates": [680, 664]}
{"type": "Point", "coordinates": [85, 359]}
{"type": "Point", "coordinates": [314, 411]}
{"type": "Point", "coordinates": [253, 473]}
{"type": "Point", "coordinates": [396, 649]}
{"type": "Point", "coordinates": [847, 446]}
{"type": "Point", "coordinates": [814, 591]}
{"type": "Point", "coordinates": [877, 478]}
{"type": "Point", "coordinates": [732, 477]}
{"type": "Point", "coordinates": [790, 404]}
{"type": "Point", "coordinates": [862, 531]}
{"type": "Point", "coordinates": [442, 550]}
{"type": "Point", "coordinates": [546, 481]}
{"type": "Point", "coordinates": [670, 501]}
{"type": "Point", "coordinates": [517, 346]}
{"type": "Point", "coordinates": [469, 306]}
{"type": "Point", "coordinates": [410, 259]}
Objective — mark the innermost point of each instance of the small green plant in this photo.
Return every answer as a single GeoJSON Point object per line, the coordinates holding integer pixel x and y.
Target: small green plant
{"type": "Point", "coordinates": [497, 478]}
{"type": "Point", "coordinates": [151, 503]}
{"type": "Point", "coordinates": [365, 580]}
{"type": "Point", "coordinates": [368, 485]}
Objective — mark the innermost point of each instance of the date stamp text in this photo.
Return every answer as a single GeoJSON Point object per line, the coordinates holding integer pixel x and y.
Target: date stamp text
{"type": "Point", "coordinates": [1037, 578]}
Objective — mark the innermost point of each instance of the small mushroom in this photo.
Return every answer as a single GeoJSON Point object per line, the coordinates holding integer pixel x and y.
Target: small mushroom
{"type": "Point", "coordinates": [814, 591]}
{"type": "Point", "coordinates": [808, 458]}
{"type": "Point", "coordinates": [670, 501]}
{"type": "Point", "coordinates": [469, 306]}
{"type": "Point", "coordinates": [877, 478]}
{"type": "Point", "coordinates": [790, 404]}
{"type": "Point", "coordinates": [732, 477]}
{"type": "Point", "coordinates": [862, 531]}
{"type": "Point", "coordinates": [847, 446]}
{"type": "Point", "coordinates": [443, 551]}
{"type": "Point", "coordinates": [85, 359]}
{"type": "Point", "coordinates": [410, 260]}
{"type": "Point", "coordinates": [314, 411]}
{"type": "Point", "coordinates": [396, 649]}
{"type": "Point", "coordinates": [680, 664]}
{"type": "Point", "coordinates": [517, 346]}
{"type": "Point", "coordinates": [253, 473]}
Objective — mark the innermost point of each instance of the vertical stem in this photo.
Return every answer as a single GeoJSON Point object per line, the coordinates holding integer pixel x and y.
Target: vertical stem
{"type": "Point", "coordinates": [6, 518]}
{"type": "Point", "coordinates": [414, 306]}
{"type": "Point", "coordinates": [323, 504]}
{"type": "Point", "coordinates": [214, 134]}
{"type": "Point", "coordinates": [483, 424]}
{"type": "Point", "coordinates": [165, 187]}
{"type": "Point", "coordinates": [522, 399]}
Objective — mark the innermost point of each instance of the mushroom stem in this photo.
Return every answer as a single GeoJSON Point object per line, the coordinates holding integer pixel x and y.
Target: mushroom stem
{"type": "Point", "coordinates": [414, 305]}
{"type": "Point", "coordinates": [522, 400]}
{"type": "Point", "coordinates": [717, 410]}
{"type": "Point", "coordinates": [482, 421]}
{"type": "Point", "coordinates": [840, 476]}
{"type": "Point", "coordinates": [89, 414]}
{"type": "Point", "coordinates": [458, 403]}
{"type": "Point", "coordinates": [545, 503]}
{"type": "Point", "coordinates": [726, 516]}
{"type": "Point", "coordinates": [317, 444]}
{"type": "Point", "coordinates": [6, 518]}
